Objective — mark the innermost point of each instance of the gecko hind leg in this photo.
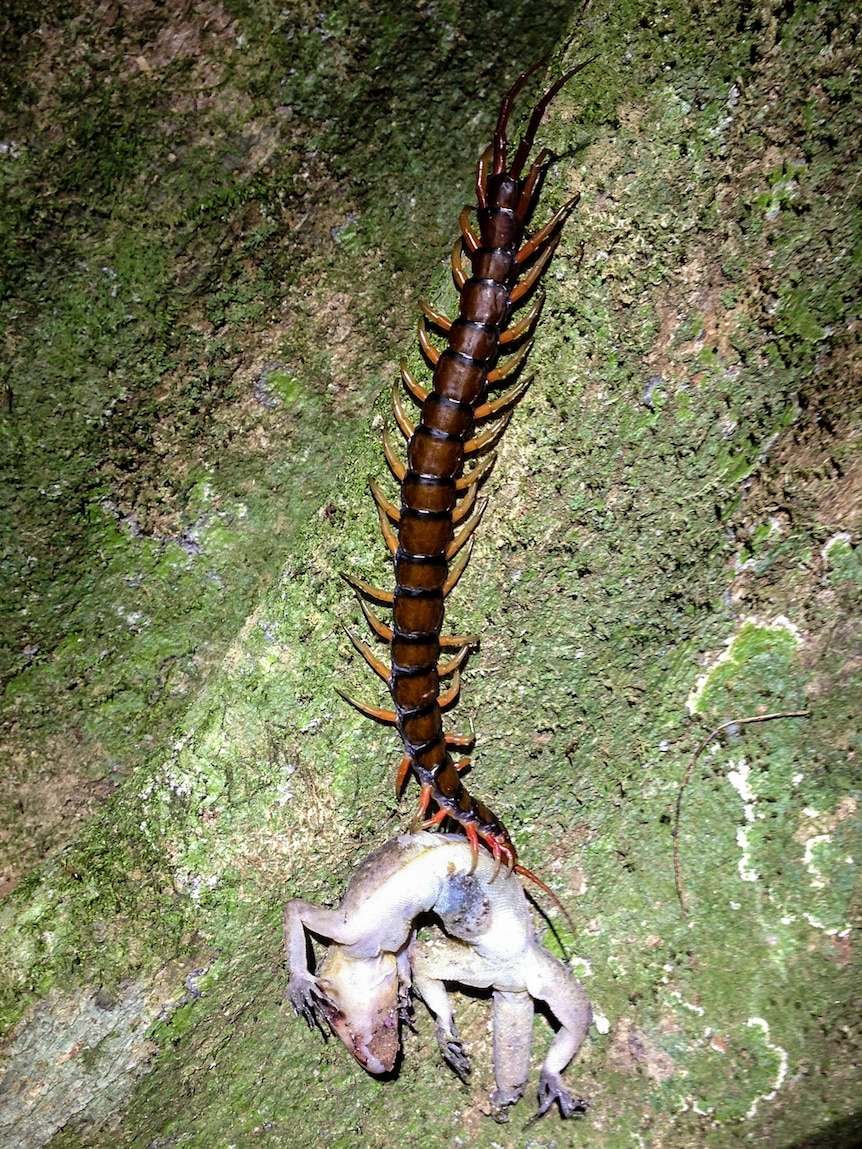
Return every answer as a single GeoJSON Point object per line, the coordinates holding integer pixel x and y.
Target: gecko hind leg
{"type": "Point", "coordinates": [433, 993]}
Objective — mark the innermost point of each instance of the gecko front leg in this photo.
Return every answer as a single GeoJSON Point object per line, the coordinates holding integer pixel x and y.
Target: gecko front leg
{"type": "Point", "coordinates": [358, 996]}
{"type": "Point", "coordinates": [304, 991]}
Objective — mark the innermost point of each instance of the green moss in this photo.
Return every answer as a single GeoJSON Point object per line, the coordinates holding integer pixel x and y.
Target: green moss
{"type": "Point", "coordinates": [758, 658]}
{"type": "Point", "coordinates": [624, 543]}
{"type": "Point", "coordinates": [843, 561]}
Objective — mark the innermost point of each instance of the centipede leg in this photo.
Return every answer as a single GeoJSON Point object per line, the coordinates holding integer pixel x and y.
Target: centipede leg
{"type": "Point", "coordinates": [386, 530]}
{"type": "Point", "coordinates": [480, 442]}
{"type": "Point", "coordinates": [435, 819]}
{"type": "Point", "coordinates": [424, 799]}
{"type": "Point", "coordinates": [402, 774]}
{"type": "Point", "coordinates": [482, 177]}
{"type": "Point", "coordinates": [376, 712]}
{"type": "Point", "coordinates": [416, 389]}
{"type": "Point", "coordinates": [449, 696]}
{"type": "Point", "coordinates": [447, 668]}
{"type": "Point", "coordinates": [507, 367]}
{"type": "Point", "coordinates": [535, 243]}
{"type": "Point", "coordinates": [470, 240]}
{"type": "Point", "coordinates": [525, 201]}
{"type": "Point", "coordinates": [460, 742]}
{"type": "Point", "coordinates": [365, 588]}
{"type": "Point", "coordinates": [507, 399]}
{"type": "Point", "coordinates": [437, 317]}
{"type": "Point", "coordinates": [370, 657]}
{"type": "Point", "coordinates": [458, 272]}
{"type": "Point", "coordinates": [511, 334]}
{"type": "Point", "coordinates": [383, 504]}
{"type": "Point", "coordinates": [476, 476]}
{"type": "Point", "coordinates": [407, 427]}
{"type": "Point", "coordinates": [523, 286]}
{"type": "Point", "coordinates": [395, 465]}
{"type": "Point", "coordinates": [425, 343]}
{"type": "Point", "coordinates": [461, 512]}
{"type": "Point", "coordinates": [465, 532]}
{"type": "Point", "coordinates": [380, 628]}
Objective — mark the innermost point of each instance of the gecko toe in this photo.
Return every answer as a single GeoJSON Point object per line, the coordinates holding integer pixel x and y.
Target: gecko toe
{"type": "Point", "coordinates": [311, 1004]}
{"type": "Point", "coordinates": [455, 1057]}
{"type": "Point", "coordinates": [551, 1089]}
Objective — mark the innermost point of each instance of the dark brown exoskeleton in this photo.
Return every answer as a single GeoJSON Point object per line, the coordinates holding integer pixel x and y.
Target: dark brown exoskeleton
{"type": "Point", "coordinates": [438, 512]}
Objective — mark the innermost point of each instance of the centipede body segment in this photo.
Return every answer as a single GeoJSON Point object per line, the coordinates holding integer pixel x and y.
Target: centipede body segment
{"type": "Point", "coordinates": [461, 416]}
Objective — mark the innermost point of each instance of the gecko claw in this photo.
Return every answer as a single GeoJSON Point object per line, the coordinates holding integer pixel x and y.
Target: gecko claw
{"type": "Point", "coordinates": [311, 1003]}
{"type": "Point", "coordinates": [551, 1089]}
{"type": "Point", "coordinates": [453, 1053]}
{"type": "Point", "coordinates": [404, 1007]}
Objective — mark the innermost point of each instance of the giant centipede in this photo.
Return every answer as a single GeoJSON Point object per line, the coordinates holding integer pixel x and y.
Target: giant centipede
{"type": "Point", "coordinates": [430, 534]}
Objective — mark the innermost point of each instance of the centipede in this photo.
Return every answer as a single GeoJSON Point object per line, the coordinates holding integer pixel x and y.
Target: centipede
{"type": "Point", "coordinates": [477, 379]}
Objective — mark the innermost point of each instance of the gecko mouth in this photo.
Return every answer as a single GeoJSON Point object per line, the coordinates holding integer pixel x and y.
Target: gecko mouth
{"type": "Point", "coordinates": [375, 1053]}
{"type": "Point", "coordinates": [365, 1020]}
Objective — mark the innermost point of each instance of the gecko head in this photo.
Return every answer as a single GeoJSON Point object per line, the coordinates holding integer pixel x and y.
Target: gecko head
{"type": "Point", "coordinates": [365, 994]}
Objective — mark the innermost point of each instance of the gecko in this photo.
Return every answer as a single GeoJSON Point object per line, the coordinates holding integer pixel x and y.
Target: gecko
{"type": "Point", "coordinates": [377, 956]}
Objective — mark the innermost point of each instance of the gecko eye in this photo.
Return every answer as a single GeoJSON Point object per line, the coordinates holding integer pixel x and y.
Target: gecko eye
{"type": "Point", "coordinates": [365, 992]}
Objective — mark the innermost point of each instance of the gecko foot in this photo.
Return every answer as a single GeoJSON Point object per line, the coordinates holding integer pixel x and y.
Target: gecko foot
{"type": "Point", "coordinates": [453, 1053]}
{"type": "Point", "coordinates": [404, 1006]}
{"type": "Point", "coordinates": [551, 1089]}
{"type": "Point", "coordinates": [310, 1001]}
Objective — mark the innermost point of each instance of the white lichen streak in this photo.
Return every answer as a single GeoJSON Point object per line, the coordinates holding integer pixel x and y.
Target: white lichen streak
{"type": "Point", "coordinates": [738, 777]}
{"type": "Point", "coordinates": [677, 996]}
{"type": "Point", "coordinates": [816, 833]}
{"type": "Point", "coordinates": [782, 1064]}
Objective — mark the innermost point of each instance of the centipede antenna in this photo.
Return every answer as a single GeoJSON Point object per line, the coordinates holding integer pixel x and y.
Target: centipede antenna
{"type": "Point", "coordinates": [529, 136]}
{"type": "Point", "coordinates": [505, 112]}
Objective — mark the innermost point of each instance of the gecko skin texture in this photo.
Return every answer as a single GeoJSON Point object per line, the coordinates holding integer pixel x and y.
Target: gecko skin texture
{"type": "Point", "coordinates": [361, 988]}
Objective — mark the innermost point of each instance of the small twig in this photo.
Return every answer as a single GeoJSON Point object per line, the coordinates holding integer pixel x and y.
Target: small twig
{"type": "Point", "coordinates": [677, 869]}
